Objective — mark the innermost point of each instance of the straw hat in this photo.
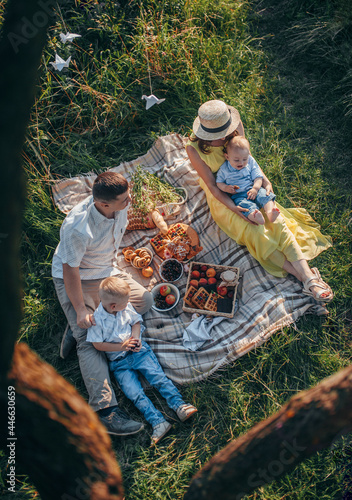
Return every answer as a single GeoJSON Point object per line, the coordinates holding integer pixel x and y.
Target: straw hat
{"type": "Point", "coordinates": [215, 120]}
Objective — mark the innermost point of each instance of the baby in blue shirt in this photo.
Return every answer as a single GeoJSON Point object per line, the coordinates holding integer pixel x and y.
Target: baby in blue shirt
{"type": "Point", "coordinates": [117, 332]}
{"type": "Point", "coordinates": [241, 177]}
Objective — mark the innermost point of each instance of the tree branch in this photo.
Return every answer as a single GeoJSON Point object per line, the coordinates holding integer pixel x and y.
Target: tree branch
{"type": "Point", "coordinates": [307, 423]}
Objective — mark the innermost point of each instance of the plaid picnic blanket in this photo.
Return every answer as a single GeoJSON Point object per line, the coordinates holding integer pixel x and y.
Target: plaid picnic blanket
{"type": "Point", "coordinates": [265, 303]}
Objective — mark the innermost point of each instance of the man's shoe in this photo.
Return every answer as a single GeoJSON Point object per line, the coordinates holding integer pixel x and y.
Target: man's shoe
{"type": "Point", "coordinates": [119, 424]}
{"type": "Point", "coordinates": [159, 431]}
{"type": "Point", "coordinates": [185, 411]}
{"type": "Point", "coordinates": [67, 342]}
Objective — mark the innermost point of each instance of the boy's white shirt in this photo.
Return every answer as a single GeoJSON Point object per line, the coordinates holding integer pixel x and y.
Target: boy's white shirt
{"type": "Point", "coordinates": [114, 328]}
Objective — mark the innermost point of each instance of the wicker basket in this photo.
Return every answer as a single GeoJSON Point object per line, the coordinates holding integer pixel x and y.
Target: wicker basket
{"type": "Point", "coordinates": [217, 268]}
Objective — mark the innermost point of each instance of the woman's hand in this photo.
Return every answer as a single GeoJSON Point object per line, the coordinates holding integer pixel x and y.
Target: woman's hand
{"type": "Point", "coordinates": [239, 211]}
{"type": "Point", "coordinates": [269, 188]}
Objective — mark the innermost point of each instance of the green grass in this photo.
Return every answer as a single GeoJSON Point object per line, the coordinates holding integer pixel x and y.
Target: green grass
{"type": "Point", "coordinates": [286, 67]}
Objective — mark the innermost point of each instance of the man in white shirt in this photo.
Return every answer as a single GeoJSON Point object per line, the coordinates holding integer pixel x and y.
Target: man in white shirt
{"type": "Point", "coordinates": [90, 237]}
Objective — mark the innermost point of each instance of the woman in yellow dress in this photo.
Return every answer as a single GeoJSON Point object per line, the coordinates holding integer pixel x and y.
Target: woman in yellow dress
{"type": "Point", "coordinates": [281, 247]}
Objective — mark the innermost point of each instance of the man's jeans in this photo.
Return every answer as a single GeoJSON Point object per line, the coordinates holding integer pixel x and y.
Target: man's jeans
{"type": "Point", "coordinates": [93, 364]}
{"type": "Point", "coordinates": [241, 200]}
{"type": "Point", "coordinates": [145, 362]}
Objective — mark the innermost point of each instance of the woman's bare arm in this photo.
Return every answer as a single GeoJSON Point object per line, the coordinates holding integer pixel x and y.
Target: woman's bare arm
{"type": "Point", "coordinates": [240, 129]}
{"type": "Point", "coordinates": [267, 184]}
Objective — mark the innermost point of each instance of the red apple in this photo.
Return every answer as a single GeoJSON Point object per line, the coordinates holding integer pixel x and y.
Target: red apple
{"type": "Point", "coordinates": [195, 274]}
{"type": "Point", "coordinates": [203, 282]}
{"type": "Point", "coordinates": [170, 299]}
{"type": "Point", "coordinates": [212, 281]}
{"type": "Point", "coordinates": [204, 268]}
{"type": "Point", "coordinates": [222, 290]}
{"type": "Point", "coordinates": [165, 290]}
{"type": "Point", "coordinates": [194, 283]}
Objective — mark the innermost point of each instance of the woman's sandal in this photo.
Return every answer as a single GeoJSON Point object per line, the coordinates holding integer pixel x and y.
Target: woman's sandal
{"type": "Point", "coordinates": [318, 282]}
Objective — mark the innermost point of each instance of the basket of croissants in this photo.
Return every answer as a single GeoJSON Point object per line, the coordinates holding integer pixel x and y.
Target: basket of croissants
{"type": "Point", "coordinates": [139, 258]}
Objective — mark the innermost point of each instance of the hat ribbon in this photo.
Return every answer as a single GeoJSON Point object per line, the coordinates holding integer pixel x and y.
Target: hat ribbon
{"type": "Point", "coordinates": [218, 129]}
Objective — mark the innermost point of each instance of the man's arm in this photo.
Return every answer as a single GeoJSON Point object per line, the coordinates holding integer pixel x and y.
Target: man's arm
{"type": "Point", "coordinates": [73, 286]}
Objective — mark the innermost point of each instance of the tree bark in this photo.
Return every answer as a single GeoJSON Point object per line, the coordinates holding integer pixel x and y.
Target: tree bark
{"type": "Point", "coordinates": [308, 422]}
{"type": "Point", "coordinates": [21, 46]}
{"type": "Point", "coordinates": [49, 430]}
{"type": "Point", "coordinates": [58, 440]}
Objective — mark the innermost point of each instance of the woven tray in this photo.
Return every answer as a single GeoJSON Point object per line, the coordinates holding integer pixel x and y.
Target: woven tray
{"type": "Point", "coordinates": [217, 268]}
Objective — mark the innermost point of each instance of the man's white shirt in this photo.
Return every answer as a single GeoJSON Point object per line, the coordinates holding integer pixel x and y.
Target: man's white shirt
{"type": "Point", "coordinates": [90, 241]}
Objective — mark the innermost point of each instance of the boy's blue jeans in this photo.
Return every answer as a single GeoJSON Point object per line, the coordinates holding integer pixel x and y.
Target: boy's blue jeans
{"type": "Point", "coordinates": [240, 199]}
{"type": "Point", "coordinates": [126, 373]}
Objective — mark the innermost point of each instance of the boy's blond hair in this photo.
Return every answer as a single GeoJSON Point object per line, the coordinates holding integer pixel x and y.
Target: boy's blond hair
{"type": "Point", "coordinates": [237, 142]}
{"type": "Point", "coordinates": [114, 287]}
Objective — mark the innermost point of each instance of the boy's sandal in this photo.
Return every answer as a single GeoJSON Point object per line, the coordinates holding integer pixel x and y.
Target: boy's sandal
{"type": "Point", "coordinates": [317, 282]}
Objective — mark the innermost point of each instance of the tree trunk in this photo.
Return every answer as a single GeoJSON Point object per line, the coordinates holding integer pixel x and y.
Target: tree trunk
{"type": "Point", "coordinates": [307, 423]}
{"type": "Point", "coordinates": [49, 430]}
{"type": "Point", "coordinates": [58, 439]}
{"type": "Point", "coordinates": [21, 46]}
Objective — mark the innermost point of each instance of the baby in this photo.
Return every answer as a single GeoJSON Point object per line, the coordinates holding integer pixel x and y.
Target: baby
{"type": "Point", "coordinates": [241, 176]}
{"type": "Point", "coordinates": [117, 332]}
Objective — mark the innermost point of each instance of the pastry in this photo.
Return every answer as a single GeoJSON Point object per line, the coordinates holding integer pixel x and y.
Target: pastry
{"type": "Point", "coordinates": [129, 255]}
{"type": "Point", "coordinates": [124, 250]}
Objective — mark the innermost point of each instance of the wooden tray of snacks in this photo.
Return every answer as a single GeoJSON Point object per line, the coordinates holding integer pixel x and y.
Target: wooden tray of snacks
{"type": "Point", "coordinates": [181, 242]}
{"type": "Point", "coordinates": [211, 289]}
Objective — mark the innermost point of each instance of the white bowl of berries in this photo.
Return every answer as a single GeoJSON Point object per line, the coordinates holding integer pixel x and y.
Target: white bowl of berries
{"type": "Point", "coordinates": [171, 270]}
{"type": "Point", "coordinates": [166, 297]}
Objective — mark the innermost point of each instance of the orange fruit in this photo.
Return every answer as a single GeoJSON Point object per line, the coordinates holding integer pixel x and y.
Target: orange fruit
{"type": "Point", "coordinates": [147, 272]}
{"type": "Point", "coordinates": [211, 272]}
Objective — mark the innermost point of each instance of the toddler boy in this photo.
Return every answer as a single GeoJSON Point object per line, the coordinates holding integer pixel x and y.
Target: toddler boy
{"type": "Point", "coordinates": [117, 332]}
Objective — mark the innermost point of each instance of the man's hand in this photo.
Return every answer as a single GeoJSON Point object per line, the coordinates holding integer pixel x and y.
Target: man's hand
{"type": "Point", "coordinates": [252, 193]}
{"type": "Point", "coordinates": [85, 319]}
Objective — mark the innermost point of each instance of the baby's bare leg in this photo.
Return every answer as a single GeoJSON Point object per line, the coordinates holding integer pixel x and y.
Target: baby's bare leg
{"type": "Point", "coordinates": [271, 211]}
{"type": "Point", "coordinates": [257, 217]}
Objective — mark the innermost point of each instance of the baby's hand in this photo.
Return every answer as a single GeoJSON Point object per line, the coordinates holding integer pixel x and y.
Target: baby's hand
{"type": "Point", "coordinates": [252, 194]}
{"type": "Point", "coordinates": [138, 345]}
{"type": "Point", "coordinates": [232, 189]}
{"type": "Point", "coordinates": [129, 344]}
